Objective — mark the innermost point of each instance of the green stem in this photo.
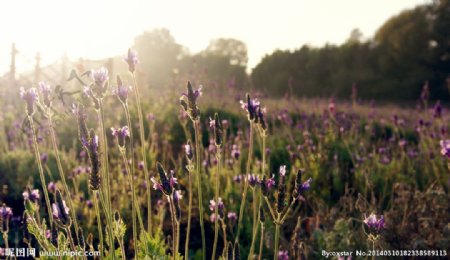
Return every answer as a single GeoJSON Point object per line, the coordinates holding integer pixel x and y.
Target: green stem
{"type": "Point", "coordinates": [69, 236]}
{"type": "Point", "coordinates": [99, 224]}
{"type": "Point", "coordinates": [261, 242]}
{"type": "Point", "coordinates": [174, 231]}
{"type": "Point", "coordinates": [199, 186]}
{"type": "Point", "coordinates": [133, 199]}
{"type": "Point", "coordinates": [277, 238]}
{"type": "Point", "coordinates": [109, 223]}
{"type": "Point", "coordinates": [144, 155]}
{"type": "Point", "coordinates": [107, 183]}
{"type": "Point", "coordinates": [133, 173]}
{"type": "Point", "coordinates": [41, 170]}
{"type": "Point", "coordinates": [256, 205]}
{"type": "Point", "coordinates": [216, 198]}
{"type": "Point", "coordinates": [62, 175]}
{"type": "Point", "coordinates": [244, 194]}
{"type": "Point", "coordinates": [186, 246]}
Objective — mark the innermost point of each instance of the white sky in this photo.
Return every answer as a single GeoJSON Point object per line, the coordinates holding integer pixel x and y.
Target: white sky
{"type": "Point", "coordinates": [98, 29]}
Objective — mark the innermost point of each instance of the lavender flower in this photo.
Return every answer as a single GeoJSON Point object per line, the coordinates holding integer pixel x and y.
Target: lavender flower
{"type": "Point", "coordinates": [61, 211]}
{"type": "Point", "coordinates": [283, 170]}
{"type": "Point", "coordinates": [45, 90]}
{"type": "Point", "coordinates": [252, 180]}
{"type": "Point", "coordinates": [132, 60]}
{"type": "Point", "coordinates": [445, 148]}
{"type": "Point", "coordinates": [374, 223]}
{"type": "Point", "coordinates": [141, 165]}
{"type": "Point", "coordinates": [51, 187]}
{"type": "Point", "coordinates": [44, 158]}
{"type": "Point", "coordinates": [300, 187]}
{"type": "Point", "coordinates": [121, 134]}
{"type": "Point", "coordinates": [32, 195]}
{"type": "Point", "coordinates": [188, 150]}
{"type": "Point", "coordinates": [30, 97]}
{"type": "Point", "coordinates": [283, 255]}
{"type": "Point", "coordinates": [235, 152]}
{"type": "Point", "coordinates": [232, 216]}
{"type": "Point", "coordinates": [218, 132]}
{"type": "Point", "coordinates": [250, 106]}
{"type": "Point", "coordinates": [100, 85]}
{"type": "Point", "coordinates": [92, 146]}
{"type": "Point", "coordinates": [5, 216]}
{"type": "Point", "coordinates": [220, 207]}
{"type": "Point", "coordinates": [437, 110]}
{"type": "Point", "coordinates": [166, 185]}
{"type": "Point", "coordinates": [237, 178]}
{"type": "Point", "coordinates": [83, 134]}
{"type": "Point", "coordinates": [189, 101]}
{"type": "Point", "coordinates": [121, 91]}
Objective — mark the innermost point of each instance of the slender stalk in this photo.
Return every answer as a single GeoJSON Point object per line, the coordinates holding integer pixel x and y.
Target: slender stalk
{"type": "Point", "coordinates": [144, 154]}
{"type": "Point", "coordinates": [62, 175]}
{"type": "Point", "coordinates": [199, 186]}
{"type": "Point", "coordinates": [224, 231]}
{"type": "Point", "coordinates": [174, 231]}
{"type": "Point", "coordinates": [133, 182]}
{"type": "Point", "coordinates": [255, 222]}
{"type": "Point", "coordinates": [109, 223]}
{"type": "Point", "coordinates": [244, 194]}
{"type": "Point", "coordinates": [122, 249]}
{"type": "Point", "coordinates": [216, 198]}
{"type": "Point", "coordinates": [188, 231]}
{"type": "Point", "coordinates": [107, 182]}
{"type": "Point", "coordinates": [69, 236]}
{"type": "Point", "coordinates": [277, 238]}
{"type": "Point", "coordinates": [261, 242]}
{"type": "Point", "coordinates": [99, 224]}
{"type": "Point", "coordinates": [41, 170]}
{"type": "Point", "coordinates": [133, 199]}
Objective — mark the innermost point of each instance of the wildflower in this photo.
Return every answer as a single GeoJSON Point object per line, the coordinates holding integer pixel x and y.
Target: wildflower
{"type": "Point", "coordinates": [445, 148]}
{"type": "Point", "coordinates": [89, 204]}
{"type": "Point", "coordinates": [132, 60]}
{"type": "Point", "coordinates": [44, 88]}
{"type": "Point", "coordinates": [188, 150]}
{"type": "Point", "coordinates": [121, 134]}
{"type": "Point", "coordinates": [141, 165]}
{"type": "Point", "coordinates": [251, 106]}
{"type": "Point", "coordinates": [252, 180]}
{"type": "Point", "coordinates": [61, 211]}
{"type": "Point", "coordinates": [32, 195]}
{"type": "Point", "coordinates": [218, 132]}
{"type": "Point", "coordinates": [167, 184]}
{"type": "Point", "coordinates": [30, 97]}
{"type": "Point", "coordinates": [51, 187]}
{"type": "Point", "coordinates": [283, 170]}
{"type": "Point", "coordinates": [189, 101]}
{"type": "Point", "coordinates": [235, 152]}
{"type": "Point", "coordinates": [100, 85]}
{"type": "Point", "coordinates": [237, 178]}
{"type": "Point", "coordinates": [219, 205]}
{"type": "Point", "coordinates": [5, 216]}
{"type": "Point", "coordinates": [283, 255]}
{"type": "Point", "coordinates": [176, 200]}
{"type": "Point", "coordinates": [299, 186]}
{"type": "Point", "coordinates": [121, 91]}
{"type": "Point", "coordinates": [261, 120]}
{"type": "Point", "coordinates": [44, 158]}
{"type": "Point", "coordinates": [374, 223]}
{"type": "Point", "coordinates": [232, 216]}
{"type": "Point", "coordinates": [92, 146]}
{"type": "Point", "coordinates": [437, 110]}
{"type": "Point", "coordinates": [80, 113]}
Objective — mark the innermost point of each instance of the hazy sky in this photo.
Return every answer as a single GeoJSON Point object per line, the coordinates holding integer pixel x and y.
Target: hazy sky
{"type": "Point", "coordinates": [98, 29]}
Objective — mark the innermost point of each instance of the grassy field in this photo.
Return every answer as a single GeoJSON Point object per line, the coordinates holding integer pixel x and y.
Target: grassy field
{"type": "Point", "coordinates": [204, 176]}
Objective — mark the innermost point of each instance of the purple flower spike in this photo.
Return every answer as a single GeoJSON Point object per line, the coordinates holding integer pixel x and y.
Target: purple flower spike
{"type": "Point", "coordinates": [132, 60]}
{"type": "Point", "coordinates": [121, 134]}
{"type": "Point", "coordinates": [232, 216]}
{"type": "Point", "coordinates": [100, 76]}
{"type": "Point", "coordinates": [374, 223]}
{"type": "Point", "coordinates": [252, 180]}
{"type": "Point", "coordinates": [283, 255]}
{"type": "Point", "coordinates": [283, 170]}
{"type": "Point", "coordinates": [122, 90]}
{"type": "Point", "coordinates": [270, 183]}
{"type": "Point", "coordinates": [30, 97]}
{"type": "Point", "coordinates": [445, 148]}
{"type": "Point", "coordinates": [45, 90]}
{"type": "Point", "coordinates": [51, 187]}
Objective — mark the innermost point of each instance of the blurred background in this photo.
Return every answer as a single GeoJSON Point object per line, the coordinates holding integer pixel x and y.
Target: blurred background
{"type": "Point", "coordinates": [387, 49]}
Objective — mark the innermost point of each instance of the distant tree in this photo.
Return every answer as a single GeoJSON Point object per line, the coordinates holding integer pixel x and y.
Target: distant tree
{"type": "Point", "coordinates": [158, 54]}
{"type": "Point", "coordinates": [235, 50]}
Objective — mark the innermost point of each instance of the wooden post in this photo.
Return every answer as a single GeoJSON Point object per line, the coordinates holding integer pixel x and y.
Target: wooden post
{"type": "Point", "coordinates": [12, 67]}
